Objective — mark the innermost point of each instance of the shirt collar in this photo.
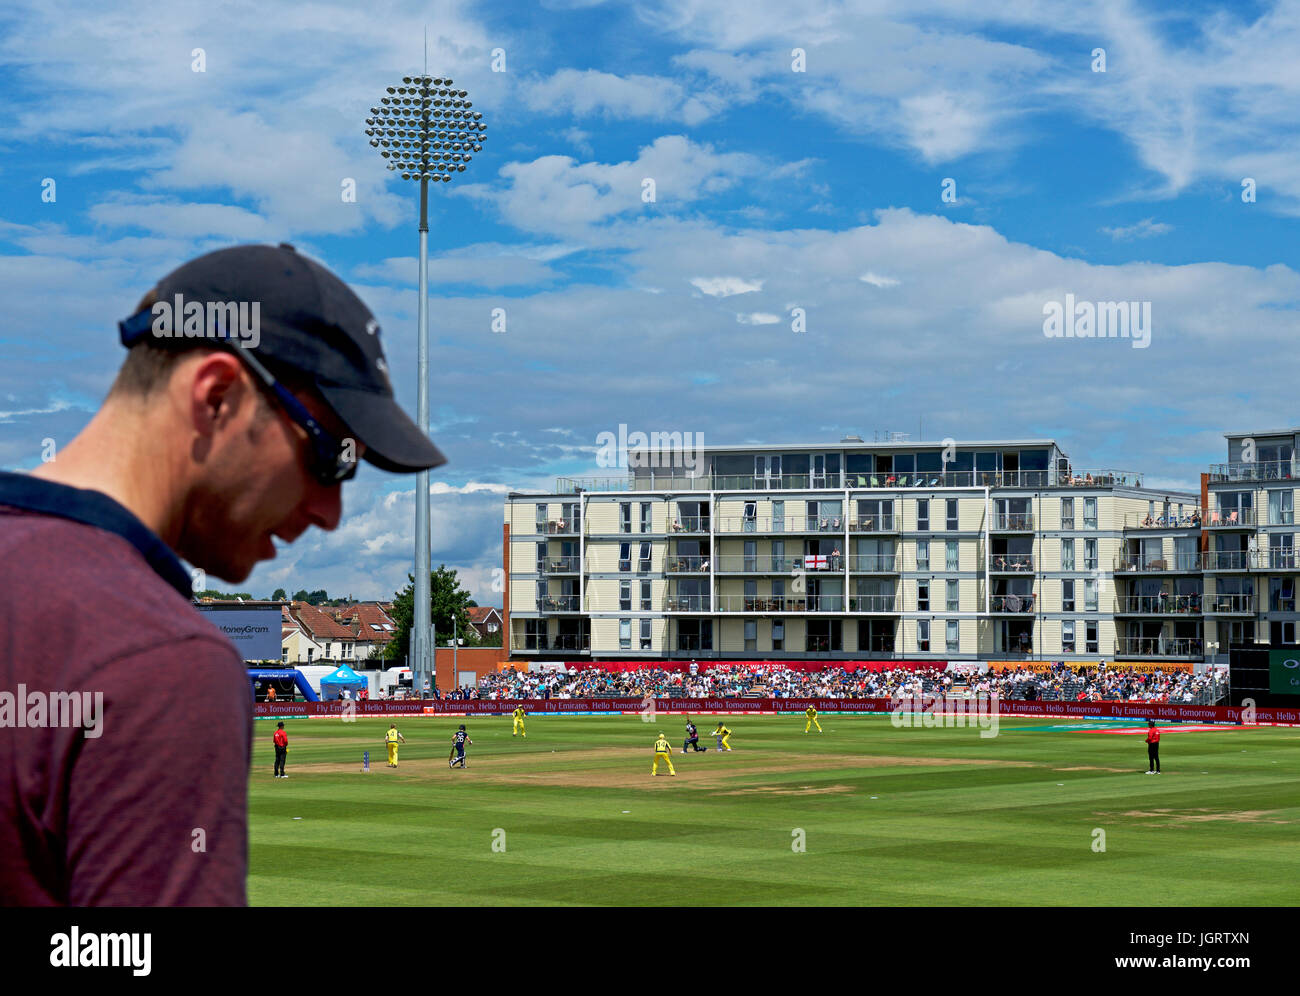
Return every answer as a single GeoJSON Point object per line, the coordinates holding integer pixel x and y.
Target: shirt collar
{"type": "Point", "coordinates": [94, 508]}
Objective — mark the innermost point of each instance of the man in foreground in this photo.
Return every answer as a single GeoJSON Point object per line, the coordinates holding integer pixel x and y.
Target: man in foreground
{"type": "Point", "coordinates": [392, 738]}
{"type": "Point", "coordinates": [664, 750]}
{"type": "Point", "coordinates": [458, 742]}
{"type": "Point", "coordinates": [253, 383]}
{"type": "Point", "coordinates": [281, 741]}
{"type": "Point", "coordinates": [1153, 748]}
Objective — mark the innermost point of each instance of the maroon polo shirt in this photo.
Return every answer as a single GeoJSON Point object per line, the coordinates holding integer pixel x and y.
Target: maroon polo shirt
{"type": "Point", "coordinates": [145, 802]}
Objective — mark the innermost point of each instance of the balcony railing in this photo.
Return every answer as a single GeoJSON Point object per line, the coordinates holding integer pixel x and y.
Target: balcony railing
{"type": "Point", "coordinates": [758, 564]}
{"type": "Point", "coordinates": [872, 524]}
{"type": "Point", "coordinates": [1011, 563]}
{"type": "Point", "coordinates": [1144, 646]}
{"type": "Point", "coordinates": [1227, 560]}
{"type": "Point", "coordinates": [1188, 520]}
{"type": "Point", "coordinates": [780, 603]}
{"type": "Point", "coordinates": [785, 524]}
{"type": "Point", "coordinates": [1233, 518]}
{"type": "Point", "coordinates": [1020, 604]}
{"type": "Point", "coordinates": [1165, 603]}
{"type": "Point", "coordinates": [874, 563]}
{"type": "Point", "coordinates": [560, 565]}
{"type": "Point", "coordinates": [1270, 470]}
{"type": "Point", "coordinates": [872, 603]}
{"type": "Point", "coordinates": [1013, 522]}
{"type": "Point", "coordinates": [688, 603]}
{"type": "Point", "coordinates": [1184, 563]}
{"type": "Point", "coordinates": [689, 524]}
{"type": "Point", "coordinates": [1282, 559]}
{"type": "Point", "coordinates": [686, 565]}
{"type": "Point", "coordinates": [565, 641]}
{"type": "Point", "coordinates": [561, 527]}
{"type": "Point", "coordinates": [1230, 604]}
{"type": "Point", "coordinates": [559, 603]}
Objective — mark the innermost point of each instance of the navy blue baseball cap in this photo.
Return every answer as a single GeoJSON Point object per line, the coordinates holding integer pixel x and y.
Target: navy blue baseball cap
{"type": "Point", "coordinates": [307, 321]}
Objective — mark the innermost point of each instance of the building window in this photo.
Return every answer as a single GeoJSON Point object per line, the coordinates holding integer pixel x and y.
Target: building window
{"type": "Point", "coordinates": [625, 556]}
{"type": "Point", "coordinates": [1067, 596]}
{"type": "Point", "coordinates": [541, 594]}
{"type": "Point", "coordinates": [778, 555]}
{"type": "Point", "coordinates": [1280, 508]}
{"type": "Point", "coordinates": [645, 596]}
{"type": "Point", "coordinates": [643, 561]}
{"type": "Point", "coordinates": [625, 596]}
{"type": "Point", "coordinates": [625, 634]}
{"type": "Point", "coordinates": [1090, 595]}
{"type": "Point", "coordinates": [1090, 555]}
{"type": "Point", "coordinates": [751, 634]}
{"type": "Point", "coordinates": [923, 514]}
{"type": "Point", "coordinates": [1067, 636]}
{"type": "Point", "coordinates": [954, 636]}
{"type": "Point", "coordinates": [645, 634]}
{"type": "Point", "coordinates": [950, 556]}
{"type": "Point", "coordinates": [645, 517]}
{"type": "Point", "coordinates": [951, 601]}
{"type": "Point", "coordinates": [922, 555]}
{"type": "Point", "coordinates": [950, 516]}
{"type": "Point", "coordinates": [1090, 513]}
{"type": "Point", "coordinates": [778, 634]}
{"type": "Point", "coordinates": [541, 518]}
{"type": "Point", "coordinates": [1067, 513]}
{"type": "Point", "coordinates": [625, 517]}
{"type": "Point", "coordinates": [923, 596]}
{"type": "Point", "coordinates": [541, 558]}
{"type": "Point", "coordinates": [1090, 638]}
{"type": "Point", "coordinates": [923, 635]}
{"type": "Point", "coordinates": [751, 555]}
{"type": "Point", "coordinates": [1067, 554]}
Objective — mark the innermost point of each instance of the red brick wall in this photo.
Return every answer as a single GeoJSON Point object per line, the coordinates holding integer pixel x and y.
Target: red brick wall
{"type": "Point", "coordinates": [480, 660]}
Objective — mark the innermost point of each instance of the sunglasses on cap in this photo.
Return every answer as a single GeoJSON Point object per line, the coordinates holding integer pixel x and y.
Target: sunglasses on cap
{"type": "Point", "coordinates": [332, 460]}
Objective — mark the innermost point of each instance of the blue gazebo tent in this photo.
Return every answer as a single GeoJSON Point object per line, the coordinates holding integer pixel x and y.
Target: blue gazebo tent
{"type": "Point", "coordinates": [332, 685]}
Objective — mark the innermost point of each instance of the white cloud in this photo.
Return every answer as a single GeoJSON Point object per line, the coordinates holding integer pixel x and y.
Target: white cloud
{"type": "Point", "coordinates": [758, 318]}
{"type": "Point", "coordinates": [1144, 229]}
{"type": "Point", "coordinates": [726, 286]}
{"type": "Point", "coordinates": [875, 280]}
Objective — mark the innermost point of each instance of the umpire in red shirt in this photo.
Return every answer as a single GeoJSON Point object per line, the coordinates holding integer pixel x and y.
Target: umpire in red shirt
{"type": "Point", "coordinates": [281, 741]}
{"type": "Point", "coordinates": [253, 383]}
{"type": "Point", "coordinates": [1153, 748]}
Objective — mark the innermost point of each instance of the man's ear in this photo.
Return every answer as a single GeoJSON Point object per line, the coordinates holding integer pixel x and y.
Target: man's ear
{"type": "Point", "coordinates": [214, 386]}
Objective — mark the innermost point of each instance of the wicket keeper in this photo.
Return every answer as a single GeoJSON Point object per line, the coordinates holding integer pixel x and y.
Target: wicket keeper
{"type": "Point", "coordinates": [811, 713]}
{"type": "Point", "coordinates": [519, 722]}
{"type": "Point", "coordinates": [393, 738]}
{"type": "Point", "coordinates": [458, 745]}
{"type": "Point", "coordinates": [722, 733]}
{"type": "Point", "coordinates": [663, 749]}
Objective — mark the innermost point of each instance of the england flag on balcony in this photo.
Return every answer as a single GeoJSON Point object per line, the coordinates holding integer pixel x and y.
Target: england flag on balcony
{"type": "Point", "coordinates": [815, 563]}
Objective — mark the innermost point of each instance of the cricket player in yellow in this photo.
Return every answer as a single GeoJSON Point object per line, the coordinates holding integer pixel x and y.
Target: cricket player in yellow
{"type": "Point", "coordinates": [663, 749]}
{"type": "Point", "coordinates": [519, 722]}
{"type": "Point", "coordinates": [811, 713]}
{"type": "Point", "coordinates": [393, 738]}
{"type": "Point", "coordinates": [722, 733]}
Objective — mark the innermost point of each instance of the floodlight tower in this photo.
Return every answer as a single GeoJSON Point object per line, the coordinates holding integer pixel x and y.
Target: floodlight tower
{"type": "Point", "coordinates": [426, 130]}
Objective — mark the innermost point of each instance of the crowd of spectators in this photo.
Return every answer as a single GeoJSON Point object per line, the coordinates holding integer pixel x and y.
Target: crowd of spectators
{"type": "Point", "coordinates": [1060, 683]}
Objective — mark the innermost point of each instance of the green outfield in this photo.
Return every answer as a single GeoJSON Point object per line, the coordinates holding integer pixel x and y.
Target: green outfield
{"type": "Point", "coordinates": [887, 816]}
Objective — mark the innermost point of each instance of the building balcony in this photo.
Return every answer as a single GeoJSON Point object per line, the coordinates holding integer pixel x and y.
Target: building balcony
{"type": "Point", "coordinates": [560, 527]}
{"type": "Point", "coordinates": [1232, 473]}
{"type": "Point", "coordinates": [1012, 522]}
{"type": "Point", "coordinates": [1226, 560]}
{"type": "Point", "coordinates": [780, 604]}
{"type": "Point", "coordinates": [1011, 563]}
{"type": "Point", "coordinates": [733, 524]}
{"type": "Point", "coordinates": [560, 565]}
{"type": "Point", "coordinates": [1182, 563]}
{"type": "Point", "coordinates": [688, 603]}
{"type": "Point", "coordinates": [877, 604]}
{"type": "Point", "coordinates": [559, 603]}
{"type": "Point", "coordinates": [1236, 518]}
{"type": "Point", "coordinates": [547, 644]}
{"type": "Point", "coordinates": [1230, 605]}
{"type": "Point", "coordinates": [1137, 522]}
{"type": "Point", "coordinates": [1274, 560]}
{"type": "Point", "coordinates": [686, 565]}
{"type": "Point", "coordinates": [1163, 604]}
{"type": "Point", "coordinates": [1158, 647]}
{"type": "Point", "coordinates": [1012, 604]}
{"type": "Point", "coordinates": [873, 524]}
{"type": "Point", "coordinates": [875, 563]}
{"type": "Point", "coordinates": [690, 525]}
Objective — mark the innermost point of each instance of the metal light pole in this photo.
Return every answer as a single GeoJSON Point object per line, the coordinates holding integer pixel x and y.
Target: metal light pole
{"type": "Point", "coordinates": [426, 130]}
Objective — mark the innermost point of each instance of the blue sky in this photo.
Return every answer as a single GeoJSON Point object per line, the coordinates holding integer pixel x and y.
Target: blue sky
{"type": "Point", "coordinates": [775, 189]}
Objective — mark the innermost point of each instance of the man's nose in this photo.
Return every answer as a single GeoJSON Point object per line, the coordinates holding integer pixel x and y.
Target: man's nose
{"type": "Point", "coordinates": [323, 505]}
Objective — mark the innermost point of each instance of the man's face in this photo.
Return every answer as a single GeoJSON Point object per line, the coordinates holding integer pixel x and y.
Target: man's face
{"type": "Point", "coordinates": [254, 480]}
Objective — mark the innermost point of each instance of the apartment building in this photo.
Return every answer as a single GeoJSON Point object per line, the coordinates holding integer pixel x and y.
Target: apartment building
{"type": "Point", "coordinates": [980, 551]}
